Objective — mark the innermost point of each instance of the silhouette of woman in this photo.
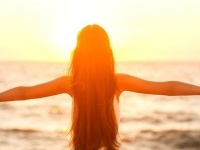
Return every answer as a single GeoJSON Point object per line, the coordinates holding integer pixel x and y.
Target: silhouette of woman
{"type": "Point", "coordinates": [95, 89]}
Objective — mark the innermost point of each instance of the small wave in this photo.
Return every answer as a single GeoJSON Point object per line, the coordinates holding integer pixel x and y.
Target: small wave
{"type": "Point", "coordinates": [26, 130]}
{"type": "Point", "coordinates": [20, 130]}
{"type": "Point", "coordinates": [149, 119]}
{"type": "Point", "coordinates": [173, 139]}
{"type": "Point", "coordinates": [160, 117]}
{"type": "Point", "coordinates": [179, 116]}
{"type": "Point", "coordinates": [6, 106]}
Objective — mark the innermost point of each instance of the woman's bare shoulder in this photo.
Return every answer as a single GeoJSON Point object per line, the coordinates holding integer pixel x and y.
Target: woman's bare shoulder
{"type": "Point", "coordinates": [122, 77]}
{"type": "Point", "coordinates": [65, 83]}
{"type": "Point", "coordinates": [126, 82]}
{"type": "Point", "coordinates": [120, 80]}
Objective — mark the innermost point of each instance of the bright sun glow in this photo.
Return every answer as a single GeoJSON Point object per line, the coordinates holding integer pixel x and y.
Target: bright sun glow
{"type": "Point", "coordinates": [64, 36]}
{"type": "Point", "coordinates": [139, 30]}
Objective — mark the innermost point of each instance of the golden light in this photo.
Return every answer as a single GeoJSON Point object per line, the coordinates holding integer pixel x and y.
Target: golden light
{"type": "Point", "coordinates": [62, 35]}
{"type": "Point", "coordinates": [139, 30]}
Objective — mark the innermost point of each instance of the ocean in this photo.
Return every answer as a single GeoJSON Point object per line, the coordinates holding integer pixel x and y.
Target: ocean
{"type": "Point", "coordinates": [148, 122]}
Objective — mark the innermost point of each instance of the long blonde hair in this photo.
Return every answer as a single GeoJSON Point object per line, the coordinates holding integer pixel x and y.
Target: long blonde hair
{"type": "Point", "coordinates": [93, 78]}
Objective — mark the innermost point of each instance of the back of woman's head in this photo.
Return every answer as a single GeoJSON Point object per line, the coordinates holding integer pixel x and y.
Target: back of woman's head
{"type": "Point", "coordinates": [93, 83]}
{"type": "Point", "coordinates": [93, 48]}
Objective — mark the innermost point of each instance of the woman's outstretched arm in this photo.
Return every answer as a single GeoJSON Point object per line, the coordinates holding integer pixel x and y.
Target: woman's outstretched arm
{"type": "Point", "coordinates": [171, 88]}
{"type": "Point", "coordinates": [54, 87]}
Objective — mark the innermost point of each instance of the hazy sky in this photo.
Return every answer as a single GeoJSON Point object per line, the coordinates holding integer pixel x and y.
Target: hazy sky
{"type": "Point", "coordinates": [140, 30]}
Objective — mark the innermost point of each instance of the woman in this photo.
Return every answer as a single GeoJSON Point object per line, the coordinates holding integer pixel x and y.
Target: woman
{"type": "Point", "coordinates": [95, 89]}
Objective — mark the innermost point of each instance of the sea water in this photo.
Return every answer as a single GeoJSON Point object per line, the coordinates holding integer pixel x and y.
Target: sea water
{"type": "Point", "coordinates": [148, 122]}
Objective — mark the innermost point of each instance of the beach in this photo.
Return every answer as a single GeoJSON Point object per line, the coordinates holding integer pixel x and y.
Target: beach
{"type": "Point", "coordinates": [148, 122]}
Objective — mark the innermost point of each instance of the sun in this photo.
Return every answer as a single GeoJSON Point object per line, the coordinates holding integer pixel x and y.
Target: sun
{"type": "Point", "coordinates": [63, 36]}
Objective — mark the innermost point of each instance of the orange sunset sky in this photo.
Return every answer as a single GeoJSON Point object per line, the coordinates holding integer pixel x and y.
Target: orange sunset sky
{"type": "Point", "coordinates": [139, 30]}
